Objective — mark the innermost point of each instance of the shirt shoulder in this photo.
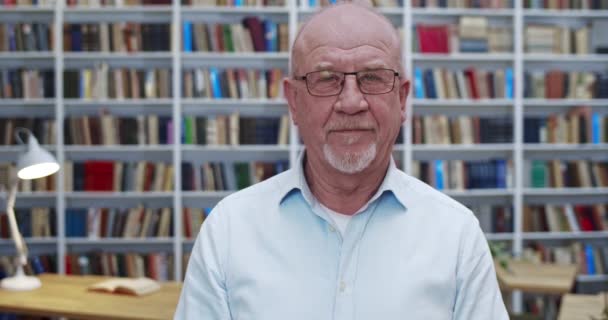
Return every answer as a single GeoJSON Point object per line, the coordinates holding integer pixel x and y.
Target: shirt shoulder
{"type": "Point", "coordinates": [265, 193]}
{"type": "Point", "coordinates": [421, 194]}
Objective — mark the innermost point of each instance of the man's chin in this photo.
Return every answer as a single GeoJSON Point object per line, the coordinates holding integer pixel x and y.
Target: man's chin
{"type": "Point", "coordinates": [350, 160]}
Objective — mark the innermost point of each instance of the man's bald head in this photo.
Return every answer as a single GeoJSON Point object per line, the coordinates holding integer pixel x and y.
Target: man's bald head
{"type": "Point", "coordinates": [346, 26]}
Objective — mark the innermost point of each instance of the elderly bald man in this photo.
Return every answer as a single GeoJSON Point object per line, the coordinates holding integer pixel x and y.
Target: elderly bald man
{"type": "Point", "coordinates": [344, 234]}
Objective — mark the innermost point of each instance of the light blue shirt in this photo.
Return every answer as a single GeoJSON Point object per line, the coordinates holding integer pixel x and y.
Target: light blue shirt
{"type": "Point", "coordinates": [269, 252]}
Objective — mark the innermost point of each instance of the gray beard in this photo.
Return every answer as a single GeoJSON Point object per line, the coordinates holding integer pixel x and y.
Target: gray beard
{"type": "Point", "coordinates": [350, 163]}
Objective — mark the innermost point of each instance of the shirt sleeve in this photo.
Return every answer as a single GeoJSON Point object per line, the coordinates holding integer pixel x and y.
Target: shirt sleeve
{"type": "Point", "coordinates": [478, 296]}
{"type": "Point", "coordinates": [204, 292]}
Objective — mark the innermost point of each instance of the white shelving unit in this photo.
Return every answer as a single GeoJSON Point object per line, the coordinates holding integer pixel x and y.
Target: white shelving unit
{"type": "Point", "coordinates": [176, 107]}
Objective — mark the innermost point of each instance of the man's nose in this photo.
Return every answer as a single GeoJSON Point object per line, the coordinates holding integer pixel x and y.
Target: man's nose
{"type": "Point", "coordinates": [351, 100]}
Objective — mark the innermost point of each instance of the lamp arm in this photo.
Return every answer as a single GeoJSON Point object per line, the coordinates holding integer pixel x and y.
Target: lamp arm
{"type": "Point", "coordinates": [12, 221]}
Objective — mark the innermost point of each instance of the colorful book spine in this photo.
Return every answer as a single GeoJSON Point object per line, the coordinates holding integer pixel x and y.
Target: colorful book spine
{"type": "Point", "coordinates": [590, 259]}
{"type": "Point", "coordinates": [187, 36]}
{"type": "Point", "coordinates": [439, 175]}
{"type": "Point", "coordinates": [170, 135]}
{"type": "Point", "coordinates": [270, 35]}
{"type": "Point", "coordinates": [214, 78]}
{"type": "Point", "coordinates": [429, 84]}
{"type": "Point", "coordinates": [501, 173]}
{"type": "Point", "coordinates": [509, 83]}
{"type": "Point", "coordinates": [418, 84]}
{"type": "Point", "coordinates": [596, 126]}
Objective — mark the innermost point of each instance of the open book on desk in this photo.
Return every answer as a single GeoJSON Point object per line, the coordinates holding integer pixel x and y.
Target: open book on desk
{"type": "Point", "coordinates": [130, 286]}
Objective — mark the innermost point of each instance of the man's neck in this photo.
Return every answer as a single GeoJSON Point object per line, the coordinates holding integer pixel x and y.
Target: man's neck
{"type": "Point", "coordinates": [344, 193]}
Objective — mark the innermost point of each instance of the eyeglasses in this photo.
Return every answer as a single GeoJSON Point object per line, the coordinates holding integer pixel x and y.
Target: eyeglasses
{"type": "Point", "coordinates": [328, 83]}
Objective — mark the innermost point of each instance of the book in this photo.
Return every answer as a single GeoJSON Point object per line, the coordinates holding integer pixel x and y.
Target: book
{"type": "Point", "coordinates": [130, 286]}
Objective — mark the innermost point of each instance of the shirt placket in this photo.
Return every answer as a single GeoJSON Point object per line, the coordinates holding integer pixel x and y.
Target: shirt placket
{"type": "Point", "coordinates": [344, 307]}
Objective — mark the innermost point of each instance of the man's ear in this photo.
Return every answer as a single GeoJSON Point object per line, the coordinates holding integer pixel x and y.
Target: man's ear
{"type": "Point", "coordinates": [290, 92]}
{"type": "Point", "coordinates": [404, 90]}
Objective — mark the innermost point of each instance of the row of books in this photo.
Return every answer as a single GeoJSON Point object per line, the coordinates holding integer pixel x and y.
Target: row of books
{"type": "Point", "coordinates": [117, 37]}
{"type": "Point", "coordinates": [234, 130]}
{"type": "Point", "coordinates": [251, 35]}
{"type": "Point", "coordinates": [33, 222]}
{"type": "Point", "coordinates": [590, 258]}
{"type": "Point", "coordinates": [578, 125]}
{"type": "Point", "coordinates": [441, 129]}
{"type": "Point", "coordinates": [482, 4]}
{"type": "Point", "coordinates": [139, 222]}
{"type": "Point", "coordinates": [43, 129]}
{"type": "Point", "coordinates": [153, 130]}
{"type": "Point", "coordinates": [144, 176]}
{"type": "Point", "coordinates": [140, 176]}
{"type": "Point", "coordinates": [101, 82]}
{"type": "Point", "coordinates": [470, 83]}
{"type": "Point", "coordinates": [222, 176]}
{"type": "Point", "coordinates": [566, 4]}
{"type": "Point", "coordinates": [568, 173]}
{"type": "Point", "coordinates": [116, 3]}
{"type": "Point", "coordinates": [26, 83]}
{"type": "Point", "coordinates": [107, 129]}
{"type": "Point", "coordinates": [85, 3]}
{"type": "Point", "coordinates": [233, 3]}
{"type": "Point", "coordinates": [10, 3]}
{"type": "Point", "coordinates": [8, 172]}
{"type": "Point", "coordinates": [471, 34]}
{"type": "Point", "coordinates": [494, 218]}
{"type": "Point", "coordinates": [565, 218]}
{"type": "Point", "coordinates": [464, 175]}
{"type": "Point", "coordinates": [564, 39]}
{"type": "Point", "coordinates": [557, 84]}
{"type": "Point", "coordinates": [193, 219]}
{"type": "Point", "coordinates": [376, 3]}
{"type": "Point", "coordinates": [25, 37]}
{"type": "Point", "coordinates": [436, 83]}
{"type": "Point", "coordinates": [215, 83]}
{"type": "Point", "coordinates": [36, 264]}
{"type": "Point", "coordinates": [155, 265]}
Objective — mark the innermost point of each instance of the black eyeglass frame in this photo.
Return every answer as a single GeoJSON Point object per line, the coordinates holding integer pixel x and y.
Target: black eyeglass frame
{"type": "Point", "coordinates": [304, 77]}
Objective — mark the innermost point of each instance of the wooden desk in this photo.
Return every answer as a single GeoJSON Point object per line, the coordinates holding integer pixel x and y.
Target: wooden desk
{"type": "Point", "coordinates": [537, 278]}
{"type": "Point", "coordinates": [581, 306]}
{"type": "Point", "coordinates": [551, 280]}
{"type": "Point", "coordinates": [67, 296]}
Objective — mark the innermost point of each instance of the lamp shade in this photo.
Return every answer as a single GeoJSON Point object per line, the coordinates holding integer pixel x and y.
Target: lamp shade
{"type": "Point", "coordinates": [35, 162]}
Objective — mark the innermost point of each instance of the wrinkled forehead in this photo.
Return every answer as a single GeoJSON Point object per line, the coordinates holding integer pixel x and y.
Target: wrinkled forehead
{"type": "Point", "coordinates": [346, 32]}
{"type": "Point", "coordinates": [346, 59]}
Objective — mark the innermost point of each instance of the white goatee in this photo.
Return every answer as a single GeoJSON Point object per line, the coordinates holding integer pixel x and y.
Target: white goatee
{"type": "Point", "coordinates": [350, 162]}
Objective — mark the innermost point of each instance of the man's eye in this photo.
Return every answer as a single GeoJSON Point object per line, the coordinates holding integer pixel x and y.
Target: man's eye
{"type": "Point", "coordinates": [370, 77]}
{"type": "Point", "coordinates": [329, 77]}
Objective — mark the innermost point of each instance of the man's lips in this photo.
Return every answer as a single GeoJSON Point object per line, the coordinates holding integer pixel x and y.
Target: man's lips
{"type": "Point", "coordinates": [350, 130]}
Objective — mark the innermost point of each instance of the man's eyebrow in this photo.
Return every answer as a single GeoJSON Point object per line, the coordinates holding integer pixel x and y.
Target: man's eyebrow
{"type": "Point", "coordinates": [376, 64]}
{"type": "Point", "coordinates": [373, 64]}
{"type": "Point", "coordinates": [324, 65]}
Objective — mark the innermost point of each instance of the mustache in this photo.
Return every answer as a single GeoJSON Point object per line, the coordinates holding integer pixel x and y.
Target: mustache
{"type": "Point", "coordinates": [342, 124]}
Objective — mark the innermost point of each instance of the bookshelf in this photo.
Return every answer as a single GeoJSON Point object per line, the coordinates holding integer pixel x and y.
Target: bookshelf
{"type": "Point", "coordinates": [176, 106]}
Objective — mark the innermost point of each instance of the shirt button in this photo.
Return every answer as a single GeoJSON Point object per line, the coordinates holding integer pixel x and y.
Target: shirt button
{"type": "Point", "coordinates": [342, 286]}
{"type": "Point", "coordinates": [332, 229]}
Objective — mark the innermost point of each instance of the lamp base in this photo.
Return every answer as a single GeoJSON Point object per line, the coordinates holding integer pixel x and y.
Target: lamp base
{"type": "Point", "coordinates": [20, 282]}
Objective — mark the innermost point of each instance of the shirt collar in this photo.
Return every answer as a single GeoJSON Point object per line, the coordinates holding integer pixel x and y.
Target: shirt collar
{"type": "Point", "coordinates": [393, 183]}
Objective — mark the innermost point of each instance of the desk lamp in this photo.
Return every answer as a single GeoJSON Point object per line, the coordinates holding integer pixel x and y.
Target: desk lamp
{"type": "Point", "coordinates": [34, 163]}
